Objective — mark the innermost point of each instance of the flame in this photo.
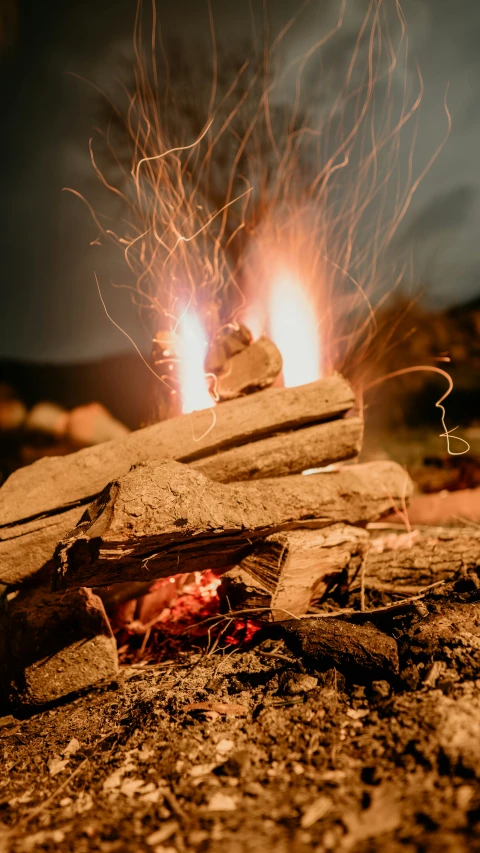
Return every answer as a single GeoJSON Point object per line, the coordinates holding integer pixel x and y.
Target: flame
{"type": "Point", "coordinates": [192, 350]}
{"type": "Point", "coordinates": [294, 329]}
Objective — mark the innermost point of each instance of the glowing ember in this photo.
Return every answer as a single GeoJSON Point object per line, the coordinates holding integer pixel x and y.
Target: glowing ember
{"type": "Point", "coordinates": [294, 329]}
{"type": "Point", "coordinates": [192, 352]}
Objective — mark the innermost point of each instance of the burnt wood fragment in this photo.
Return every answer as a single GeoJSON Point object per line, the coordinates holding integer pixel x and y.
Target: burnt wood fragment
{"type": "Point", "coordinates": [362, 653]}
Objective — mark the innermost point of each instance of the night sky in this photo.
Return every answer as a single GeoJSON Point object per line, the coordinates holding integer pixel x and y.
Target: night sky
{"type": "Point", "coordinates": [50, 308]}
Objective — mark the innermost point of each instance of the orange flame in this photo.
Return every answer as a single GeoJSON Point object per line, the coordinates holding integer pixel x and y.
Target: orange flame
{"type": "Point", "coordinates": [192, 350]}
{"type": "Point", "coordinates": [294, 329]}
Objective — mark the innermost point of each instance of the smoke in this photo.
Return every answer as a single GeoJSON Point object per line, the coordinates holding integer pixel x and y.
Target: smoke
{"type": "Point", "coordinates": [50, 305]}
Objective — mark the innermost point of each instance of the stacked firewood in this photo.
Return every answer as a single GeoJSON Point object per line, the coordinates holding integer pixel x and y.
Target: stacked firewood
{"type": "Point", "coordinates": [219, 489]}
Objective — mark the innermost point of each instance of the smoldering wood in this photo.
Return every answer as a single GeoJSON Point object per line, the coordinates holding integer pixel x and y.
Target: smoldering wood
{"type": "Point", "coordinates": [40, 503]}
{"type": "Point", "coordinates": [164, 518]}
{"type": "Point", "coordinates": [411, 560]}
{"type": "Point", "coordinates": [54, 644]}
{"type": "Point", "coordinates": [257, 366]}
{"type": "Point", "coordinates": [362, 653]}
{"type": "Point", "coordinates": [285, 572]}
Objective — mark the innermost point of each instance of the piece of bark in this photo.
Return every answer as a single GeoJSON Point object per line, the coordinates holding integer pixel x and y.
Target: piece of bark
{"type": "Point", "coordinates": [287, 453]}
{"type": "Point", "coordinates": [164, 518]}
{"type": "Point", "coordinates": [255, 367]}
{"type": "Point", "coordinates": [52, 645]}
{"type": "Point", "coordinates": [362, 653]}
{"type": "Point", "coordinates": [39, 504]}
{"type": "Point", "coordinates": [421, 557]}
{"type": "Point", "coordinates": [287, 571]}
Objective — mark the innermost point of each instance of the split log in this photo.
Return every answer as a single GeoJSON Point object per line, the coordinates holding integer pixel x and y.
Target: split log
{"type": "Point", "coordinates": [255, 367]}
{"type": "Point", "coordinates": [52, 645]}
{"type": "Point", "coordinates": [362, 653]}
{"type": "Point", "coordinates": [287, 453]}
{"type": "Point", "coordinates": [41, 503]}
{"type": "Point", "coordinates": [408, 561]}
{"type": "Point", "coordinates": [164, 518]}
{"type": "Point", "coordinates": [287, 571]}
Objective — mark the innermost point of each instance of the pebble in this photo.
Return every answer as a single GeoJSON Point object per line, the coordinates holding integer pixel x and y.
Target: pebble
{"type": "Point", "coordinates": [299, 683]}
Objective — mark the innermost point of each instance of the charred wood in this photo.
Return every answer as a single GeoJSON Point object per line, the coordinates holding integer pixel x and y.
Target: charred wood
{"type": "Point", "coordinates": [362, 653]}
{"type": "Point", "coordinates": [54, 644]}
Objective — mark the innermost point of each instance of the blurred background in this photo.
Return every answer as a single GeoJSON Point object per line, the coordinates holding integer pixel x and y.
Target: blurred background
{"type": "Point", "coordinates": [56, 342]}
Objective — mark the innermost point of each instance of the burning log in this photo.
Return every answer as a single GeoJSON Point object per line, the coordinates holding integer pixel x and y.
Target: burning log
{"type": "Point", "coordinates": [287, 571]}
{"type": "Point", "coordinates": [163, 518]}
{"type": "Point", "coordinates": [52, 645]}
{"type": "Point", "coordinates": [39, 504]}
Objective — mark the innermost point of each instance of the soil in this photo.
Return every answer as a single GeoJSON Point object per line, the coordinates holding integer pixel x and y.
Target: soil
{"type": "Point", "coordinates": [252, 749]}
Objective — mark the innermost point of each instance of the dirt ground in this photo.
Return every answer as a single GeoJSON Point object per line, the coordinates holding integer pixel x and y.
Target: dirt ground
{"type": "Point", "coordinates": [254, 750]}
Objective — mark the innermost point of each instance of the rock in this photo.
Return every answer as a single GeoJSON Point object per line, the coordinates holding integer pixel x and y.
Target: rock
{"type": "Point", "coordinates": [458, 730]}
{"type": "Point", "coordinates": [295, 685]}
{"type": "Point", "coordinates": [54, 644]}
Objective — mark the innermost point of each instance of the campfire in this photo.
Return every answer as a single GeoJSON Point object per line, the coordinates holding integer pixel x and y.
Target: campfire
{"type": "Point", "coordinates": [242, 509]}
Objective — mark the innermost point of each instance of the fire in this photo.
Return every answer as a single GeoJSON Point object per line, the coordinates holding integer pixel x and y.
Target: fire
{"type": "Point", "coordinates": [192, 350]}
{"type": "Point", "coordinates": [294, 329]}
{"type": "Point", "coordinates": [215, 190]}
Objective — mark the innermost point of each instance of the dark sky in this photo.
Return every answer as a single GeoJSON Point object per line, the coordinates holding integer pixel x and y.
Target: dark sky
{"type": "Point", "coordinates": [50, 308]}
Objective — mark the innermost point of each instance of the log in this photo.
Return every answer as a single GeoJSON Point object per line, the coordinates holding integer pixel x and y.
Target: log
{"type": "Point", "coordinates": [255, 367]}
{"type": "Point", "coordinates": [164, 518]}
{"type": "Point", "coordinates": [52, 645]}
{"type": "Point", "coordinates": [419, 558]}
{"type": "Point", "coordinates": [362, 653]}
{"type": "Point", "coordinates": [39, 504]}
{"type": "Point", "coordinates": [287, 571]}
{"type": "Point", "coordinates": [287, 453]}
